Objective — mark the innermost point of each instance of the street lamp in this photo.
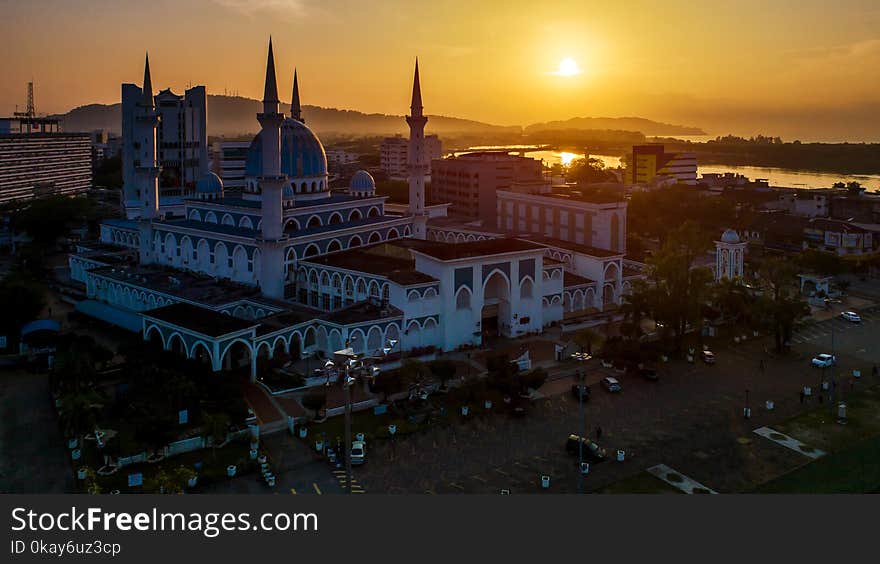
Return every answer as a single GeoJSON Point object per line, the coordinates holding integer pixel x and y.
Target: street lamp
{"type": "Point", "coordinates": [581, 357]}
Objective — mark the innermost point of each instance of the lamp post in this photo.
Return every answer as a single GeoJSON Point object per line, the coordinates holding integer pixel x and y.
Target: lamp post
{"type": "Point", "coordinates": [347, 385]}
{"type": "Point", "coordinates": [581, 357]}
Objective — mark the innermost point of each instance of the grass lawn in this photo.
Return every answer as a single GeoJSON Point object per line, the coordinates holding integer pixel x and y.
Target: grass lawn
{"type": "Point", "coordinates": [819, 428]}
{"type": "Point", "coordinates": [854, 470]}
{"type": "Point", "coordinates": [641, 483]}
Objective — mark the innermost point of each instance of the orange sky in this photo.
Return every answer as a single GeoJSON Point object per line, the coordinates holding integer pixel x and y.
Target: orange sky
{"type": "Point", "coordinates": [783, 67]}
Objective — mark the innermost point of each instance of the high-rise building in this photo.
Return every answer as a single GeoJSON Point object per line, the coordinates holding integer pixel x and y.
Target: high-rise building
{"type": "Point", "coordinates": [37, 159]}
{"type": "Point", "coordinates": [230, 162]}
{"type": "Point", "coordinates": [651, 163]}
{"type": "Point", "coordinates": [469, 181]}
{"type": "Point", "coordinates": [394, 154]}
{"type": "Point", "coordinates": [181, 141]}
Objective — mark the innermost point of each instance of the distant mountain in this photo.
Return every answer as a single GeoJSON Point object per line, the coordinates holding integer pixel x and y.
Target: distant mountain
{"type": "Point", "coordinates": [233, 115]}
{"type": "Point", "coordinates": [641, 125]}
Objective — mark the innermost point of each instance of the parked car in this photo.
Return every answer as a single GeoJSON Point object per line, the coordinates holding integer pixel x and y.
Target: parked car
{"type": "Point", "coordinates": [708, 357]}
{"type": "Point", "coordinates": [611, 384]}
{"type": "Point", "coordinates": [358, 453]}
{"type": "Point", "coordinates": [824, 360]}
{"type": "Point", "coordinates": [649, 374]}
{"type": "Point", "coordinates": [578, 390]}
{"type": "Point", "coordinates": [592, 451]}
{"type": "Point", "coordinates": [851, 316]}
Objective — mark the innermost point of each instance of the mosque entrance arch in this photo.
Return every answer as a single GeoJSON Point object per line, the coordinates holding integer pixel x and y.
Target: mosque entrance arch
{"type": "Point", "coordinates": [495, 315]}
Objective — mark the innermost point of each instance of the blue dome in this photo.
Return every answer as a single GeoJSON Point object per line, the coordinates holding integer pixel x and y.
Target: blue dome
{"type": "Point", "coordinates": [362, 181]}
{"type": "Point", "coordinates": [209, 183]}
{"type": "Point", "coordinates": [302, 154]}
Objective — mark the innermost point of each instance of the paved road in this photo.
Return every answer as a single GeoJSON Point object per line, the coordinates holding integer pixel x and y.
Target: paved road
{"type": "Point", "coordinates": [33, 458]}
{"type": "Point", "coordinates": [854, 340]}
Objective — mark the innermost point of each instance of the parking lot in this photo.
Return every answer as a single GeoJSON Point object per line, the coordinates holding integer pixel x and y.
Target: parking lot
{"type": "Point", "coordinates": [690, 420]}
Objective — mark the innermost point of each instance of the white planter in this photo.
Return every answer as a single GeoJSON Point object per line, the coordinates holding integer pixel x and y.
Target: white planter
{"type": "Point", "coordinates": [115, 492]}
{"type": "Point", "coordinates": [755, 333]}
{"type": "Point", "coordinates": [770, 405]}
{"type": "Point", "coordinates": [464, 410]}
{"type": "Point", "coordinates": [736, 339]}
{"type": "Point", "coordinates": [392, 429]}
{"type": "Point", "coordinates": [747, 412]}
{"type": "Point", "coordinates": [808, 391]}
{"type": "Point", "coordinates": [192, 481]}
{"type": "Point", "coordinates": [359, 437]}
{"type": "Point", "coordinates": [72, 443]}
{"type": "Point", "coordinates": [262, 459]}
{"type": "Point", "coordinates": [825, 386]}
{"type": "Point", "coordinates": [75, 454]}
{"type": "Point", "coordinates": [82, 473]}
{"type": "Point", "coordinates": [319, 446]}
{"type": "Point", "coordinates": [664, 358]}
{"type": "Point", "coordinates": [620, 455]}
{"type": "Point", "coordinates": [253, 453]}
{"type": "Point", "coordinates": [585, 468]}
{"type": "Point", "coordinates": [545, 482]}
{"type": "Point", "coordinates": [487, 404]}
{"type": "Point", "coordinates": [690, 358]}
{"type": "Point", "coordinates": [271, 481]}
{"type": "Point", "coordinates": [857, 373]}
{"type": "Point", "coordinates": [303, 432]}
{"type": "Point", "coordinates": [231, 470]}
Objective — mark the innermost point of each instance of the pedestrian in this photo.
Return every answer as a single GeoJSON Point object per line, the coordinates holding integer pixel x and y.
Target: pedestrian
{"type": "Point", "coordinates": [802, 396]}
{"type": "Point", "coordinates": [598, 432]}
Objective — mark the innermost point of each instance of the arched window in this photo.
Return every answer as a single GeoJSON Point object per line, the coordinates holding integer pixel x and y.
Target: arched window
{"type": "Point", "coordinates": [526, 289]}
{"type": "Point", "coordinates": [314, 221]}
{"type": "Point", "coordinates": [335, 218]}
{"type": "Point", "coordinates": [463, 299]}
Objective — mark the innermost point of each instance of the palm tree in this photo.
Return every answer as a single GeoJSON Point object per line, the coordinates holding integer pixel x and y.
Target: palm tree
{"type": "Point", "coordinates": [585, 338]}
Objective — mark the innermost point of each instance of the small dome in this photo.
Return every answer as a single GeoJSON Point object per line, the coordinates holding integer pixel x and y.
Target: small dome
{"type": "Point", "coordinates": [362, 181]}
{"type": "Point", "coordinates": [302, 154]}
{"type": "Point", "coordinates": [729, 236]}
{"type": "Point", "coordinates": [209, 183]}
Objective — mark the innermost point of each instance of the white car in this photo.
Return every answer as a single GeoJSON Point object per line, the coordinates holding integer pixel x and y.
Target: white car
{"type": "Point", "coordinates": [611, 384]}
{"type": "Point", "coordinates": [851, 316]}
{"type": "Point", "coordinates": [358, 453]}
{"type": "Point", "coordinates": [824, 360]}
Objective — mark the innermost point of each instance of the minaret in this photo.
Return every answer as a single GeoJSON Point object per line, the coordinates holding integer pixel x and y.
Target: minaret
{"type": "Point", "coordinates": [295, 107]}
{"type": "Point", "coordinates": [147, 169]}
{"type": "Point", "coordinates": [271, 185]}
{"type": "Point", "coordinates": [417, 168]}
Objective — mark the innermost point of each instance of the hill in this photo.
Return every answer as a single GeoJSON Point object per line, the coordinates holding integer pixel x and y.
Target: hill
{"type": "Point", "coordinates": [230, 116]}
{"type": "Point", "coordinates": [644, 126]}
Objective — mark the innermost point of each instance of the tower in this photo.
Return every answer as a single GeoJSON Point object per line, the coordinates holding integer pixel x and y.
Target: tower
{"type": "Point", "coordinates": [147, 167]}
{"type": "Point", "coordinates": [417, 168]}
{"type": "Point", "coordinates": [729, 256]}
{"type": "Point", "coordinates": [272, 183]}
{"type": "Point", "coordinates": [295, 107]}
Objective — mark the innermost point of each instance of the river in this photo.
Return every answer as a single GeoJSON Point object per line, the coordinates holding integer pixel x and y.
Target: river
{"type": "Point", "coordinates": [775, 176]}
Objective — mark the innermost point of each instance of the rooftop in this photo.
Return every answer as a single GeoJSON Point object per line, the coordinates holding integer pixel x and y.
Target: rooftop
{"type": "Point", "coordinates": [488, 247]}
{"type": "Point", "coordinates": [568, 245]}
{"type": "Point", "coordinates": [379, 260]}
{"type": "Point", "coordinates": [201, 320]}
{"type": "Point", "coordinates": [360, 313]}
{"type": "Point", "coordinates": [181, 284]}
{"type": "Point", "coordinates": [570, 279]}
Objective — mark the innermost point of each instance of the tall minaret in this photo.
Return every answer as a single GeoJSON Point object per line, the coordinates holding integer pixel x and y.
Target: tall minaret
{"type": "Point", "coordinates": [295, 107]}
{"type": "Point", "coordinates": [417, 168]}
{"type": "Point", "coordinates": [147, 169]}
{"type": "Point", "coordinates": [271, 185]}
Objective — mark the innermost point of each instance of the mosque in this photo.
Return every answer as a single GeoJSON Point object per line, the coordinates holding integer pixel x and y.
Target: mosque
{"type": "Point", "coordinates": [291, 265]}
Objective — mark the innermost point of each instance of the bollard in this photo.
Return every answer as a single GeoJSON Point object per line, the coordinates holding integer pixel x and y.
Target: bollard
{"type": "Point", "coordinates": [620, 455]}
{"type": "Point", "coordinates": [747, 412]}
{"type": "Point", "coordinates": [769, 405]}
{"type": "Point", "coordinates": [545, 482]}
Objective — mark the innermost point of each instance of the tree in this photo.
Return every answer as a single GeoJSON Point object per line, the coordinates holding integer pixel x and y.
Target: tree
{"type": "Point", "coordinates": [21, 300]}
{"type": "Point", "coordinates": [216, 426]}
{"type": "Point", "coordinates": [780, 302]}
{"type": "Point", "coordinates": [676, 288]}
{"type": "Point", "coordinates": [732, 299]}
{"type": "Point", "coordinates": [443, 370]}
{"type": "Point", "coordinates": [315, 400]}
{"type": "Point", "coordinates": [586, 338]}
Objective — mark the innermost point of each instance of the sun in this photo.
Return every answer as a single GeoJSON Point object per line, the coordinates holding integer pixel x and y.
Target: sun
{"type": "Point", "coordinates": [568, 67]}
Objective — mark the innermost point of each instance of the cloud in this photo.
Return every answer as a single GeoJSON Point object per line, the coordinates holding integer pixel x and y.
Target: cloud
{"type": "Point", "coordinates": [291, 9]}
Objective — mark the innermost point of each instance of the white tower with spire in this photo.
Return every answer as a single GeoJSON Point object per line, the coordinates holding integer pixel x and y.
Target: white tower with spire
{"type": "Point", "coordinates": [417, 168]}
{"type": "Point", "coordinates": [147, 169]}
{"type": "Point", "coordinates": [729, 256]}
{"type": "Point", "coordinates": [272, 183]}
